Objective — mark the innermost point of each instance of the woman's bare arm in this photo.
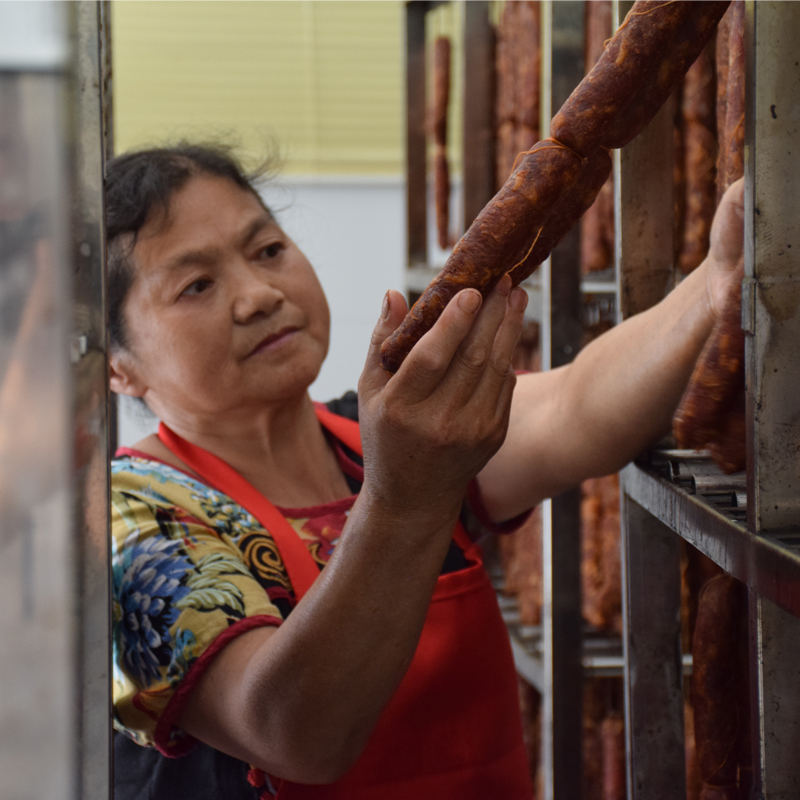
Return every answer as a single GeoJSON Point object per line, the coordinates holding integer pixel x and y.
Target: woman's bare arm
{"type": "Point", "coordinates": [593, 416]}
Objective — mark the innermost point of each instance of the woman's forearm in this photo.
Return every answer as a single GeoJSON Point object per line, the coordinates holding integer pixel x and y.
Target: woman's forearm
{"type": "Point", "coordinates": [322, 680]}
{"type": "Point", "coordinates": [593, 416]}
{"type": "Point", "coordinates": [301, 701]}
{"type": "Point", "coordinates": [624, 387]}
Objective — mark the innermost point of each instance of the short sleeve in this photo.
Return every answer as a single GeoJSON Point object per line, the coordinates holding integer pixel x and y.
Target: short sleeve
{"type": "Point", "coordinates": [181, 592]}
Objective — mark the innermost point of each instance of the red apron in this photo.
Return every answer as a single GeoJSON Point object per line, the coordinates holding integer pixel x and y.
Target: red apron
{"type": "Point", "coordinates": [452, 730]}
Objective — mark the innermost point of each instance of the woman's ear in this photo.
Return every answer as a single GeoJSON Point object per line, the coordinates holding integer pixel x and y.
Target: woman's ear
{"type": "Point", "coordinates": [122, 377]}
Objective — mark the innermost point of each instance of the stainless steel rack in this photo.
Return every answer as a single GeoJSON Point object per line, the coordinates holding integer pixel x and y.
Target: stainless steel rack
{"type": "Point", "coordinates": [749, 524]}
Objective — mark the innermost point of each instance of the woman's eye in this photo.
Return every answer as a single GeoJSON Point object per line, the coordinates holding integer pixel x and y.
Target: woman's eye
{"type": "Point", "coordinates": [197, 287]}
{"type": "Point", "coordinates": [271, 250]}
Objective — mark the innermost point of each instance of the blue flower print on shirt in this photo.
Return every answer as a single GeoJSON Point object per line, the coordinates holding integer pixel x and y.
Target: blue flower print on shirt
{"type": "Point", "coordinates": [148, 585]}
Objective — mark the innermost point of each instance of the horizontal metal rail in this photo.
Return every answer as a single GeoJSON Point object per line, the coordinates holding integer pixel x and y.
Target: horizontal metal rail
{"type": "Point", "coordinates": [769, 564]}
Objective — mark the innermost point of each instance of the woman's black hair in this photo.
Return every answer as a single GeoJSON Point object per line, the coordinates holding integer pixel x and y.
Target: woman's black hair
{"type": "Point", "coordinates": [142, 183]}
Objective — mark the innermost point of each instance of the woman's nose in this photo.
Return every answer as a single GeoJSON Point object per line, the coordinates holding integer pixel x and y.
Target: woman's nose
{"type": "Point", "coordinates": [255, 296]}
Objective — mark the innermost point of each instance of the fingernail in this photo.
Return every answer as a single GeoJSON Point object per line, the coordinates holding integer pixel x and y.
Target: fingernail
{"type": "Point", "coordinates": [469, 301]}
{"type": "Point", "coordinates": [385, 307]}
{"type": "Point", "coordinates": [518, 299]}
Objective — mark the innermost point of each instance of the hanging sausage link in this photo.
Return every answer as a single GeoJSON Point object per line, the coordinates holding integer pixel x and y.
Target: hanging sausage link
{"type": "Point", "coordinates": [643, 63]}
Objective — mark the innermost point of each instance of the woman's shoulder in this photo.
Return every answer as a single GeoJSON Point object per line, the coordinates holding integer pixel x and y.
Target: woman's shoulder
{"type": "Point", "coordinates": [144, 487]}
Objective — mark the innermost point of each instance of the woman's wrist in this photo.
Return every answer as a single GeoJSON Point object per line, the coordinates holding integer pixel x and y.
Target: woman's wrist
{"type": "Point", "coordinates": [425, 514]}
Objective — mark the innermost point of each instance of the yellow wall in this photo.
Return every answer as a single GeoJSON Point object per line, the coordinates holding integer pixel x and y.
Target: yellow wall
{"type": "Point", "coordinates": [323, 79]}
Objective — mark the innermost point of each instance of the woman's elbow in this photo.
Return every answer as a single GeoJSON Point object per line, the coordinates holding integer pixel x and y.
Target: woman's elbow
{"type": "Point", "coordinates": [315, 765]}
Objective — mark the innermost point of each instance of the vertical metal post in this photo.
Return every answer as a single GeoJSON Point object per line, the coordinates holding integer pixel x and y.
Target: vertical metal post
{"type": "Point", "coordinates": [644, 211]}
{"type": "Point", "coordinates": [643, 187]}
{"type": "Point", "coordinates": [772, 263]}
{"type": "Point", "coordinates": [107, 111]}
{"type": "Point", "coordinates": [777, 776]}
{"type": "Point", "coordinates": [54, 580]}
{"type": "Point", "coordinates": [653, 668]}
{"type": "Point", "coordinates": [771, 317]}
{"type": "Point", "coordinates": [90, 386]}
{"type": "Point", "coordinates": [478, 139]}
{"type": "Point", "coordinates": [562, 57]}
{"type": "Point", "coordinates": [416, 173]}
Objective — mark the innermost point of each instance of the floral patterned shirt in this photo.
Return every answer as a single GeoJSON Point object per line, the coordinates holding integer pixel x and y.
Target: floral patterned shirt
{"type": "Point", "coordinates": [191, 569]}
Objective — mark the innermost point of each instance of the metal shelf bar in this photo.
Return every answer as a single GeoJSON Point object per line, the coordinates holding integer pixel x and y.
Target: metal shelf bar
{"type": "Point", "coordinates": [643, 189]}
{"type": "Point", "coordinates": [770, 564]}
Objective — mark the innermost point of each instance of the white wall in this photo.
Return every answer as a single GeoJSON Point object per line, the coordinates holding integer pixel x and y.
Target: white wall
{"type": "Point", "coordinates": [353, 232]}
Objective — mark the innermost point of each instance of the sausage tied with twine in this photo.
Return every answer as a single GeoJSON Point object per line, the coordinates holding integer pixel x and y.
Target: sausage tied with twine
{"type": "Point", "coordinates": [643, 62]}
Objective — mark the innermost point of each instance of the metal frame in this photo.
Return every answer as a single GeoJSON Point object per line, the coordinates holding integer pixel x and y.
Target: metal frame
{"type": "Point", "coordinates": [755, 534]}
{"type": "Point", "coordinates": [54, 570]}
{"type": "Point", "coordinates": [92, 102]}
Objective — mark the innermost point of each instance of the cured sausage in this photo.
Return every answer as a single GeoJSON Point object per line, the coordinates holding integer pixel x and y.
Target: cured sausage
{"type": "Point", "coordinates": [441, 100]}
{"type": "Point", "coordinates": [714, 687]}
{"type": "Point", "coordinates": [712, 410]}
{"type": "Point", "coordinates": [564, 217]}
{"type": "Point", "coordinates": [597, 224]}
{"type": "Point", "coordinates": [601, 580]}
{"type": "Point", "coordinates": [506, 150]}
{"type": "Point", "coordinates": [733, 143]}
{"type": "Point", "coordinates": [722, 55]}
{"type": "Point", "coordinates": [517, 67]}
{"type": "Point", "coordinates": [682, 51]}
{"type": "Point", "coordinates": [644, 60]}
{"type": "Point", "coordinates": [700, 151]}
{"type": "Point", "coordinates": [505, 111]}
{"type": "Point", "coordinates": [488, 249]}
{"type": "Point", "coordinates": [612, 733]}
{"type": "Point", "coordinates": [603, 97]}
{"type": "Point", "coordinates": [527, 83]}
{"type": "Point", "coordinates": [505, 67]}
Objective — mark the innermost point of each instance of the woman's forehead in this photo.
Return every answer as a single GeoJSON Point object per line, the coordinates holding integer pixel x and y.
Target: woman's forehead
{"type": "Point", "coordinates": [207, 212]}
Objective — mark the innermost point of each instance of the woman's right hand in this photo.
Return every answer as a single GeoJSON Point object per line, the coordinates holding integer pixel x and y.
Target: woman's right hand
{"type": "Point", "coordinates": [430, 428]}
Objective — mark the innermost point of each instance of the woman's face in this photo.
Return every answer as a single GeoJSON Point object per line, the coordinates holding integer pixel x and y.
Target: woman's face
{"type": "Point", "coordinates": [225, 313]}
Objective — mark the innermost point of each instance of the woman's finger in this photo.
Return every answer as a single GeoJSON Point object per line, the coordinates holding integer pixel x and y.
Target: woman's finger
{"type": "Point", "coordinates": [428, 362]}
{"type": "Point", "coordinates": [374, 377]}
{"type": "Point", "coordinates": [499, 366]}
{"type": "Point", "coordinates": [475, 353]}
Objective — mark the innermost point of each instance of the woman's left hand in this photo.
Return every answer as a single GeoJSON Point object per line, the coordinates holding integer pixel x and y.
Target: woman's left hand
{"type": "Point", "coordinates": [432, 426]}
{"type": "Point", "coordinates": [725, 260]}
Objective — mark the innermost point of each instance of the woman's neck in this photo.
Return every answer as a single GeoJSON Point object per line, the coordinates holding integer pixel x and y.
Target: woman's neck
{"type": "Point", "coordinates": [282, 451]}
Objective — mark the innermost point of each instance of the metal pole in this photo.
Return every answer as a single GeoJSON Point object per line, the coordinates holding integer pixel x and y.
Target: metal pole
{"type": "Point", "coordinates": [562, 63]}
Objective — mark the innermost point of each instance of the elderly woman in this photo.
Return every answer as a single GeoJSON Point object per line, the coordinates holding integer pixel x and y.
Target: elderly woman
{"type": "Point", "coordinates": [298, 609]}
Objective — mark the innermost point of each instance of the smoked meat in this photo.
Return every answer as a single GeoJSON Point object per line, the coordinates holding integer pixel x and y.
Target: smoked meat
{"type": "Point", "coordinates": [700, 142]}
{"type": "Point", "coordinates": [487, 250]}
{"type": "Point", "coordinates": [714, 687]}
{"type": "Point", "coordinates": [597, 224]}
{"type": "Point", "coordinates": [646, 57]}
{"type": "Point", "coordinates": [441, 101]}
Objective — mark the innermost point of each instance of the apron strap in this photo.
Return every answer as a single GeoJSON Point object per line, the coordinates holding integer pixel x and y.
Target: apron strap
{"type": "Point", "coordinates": [300, 566]}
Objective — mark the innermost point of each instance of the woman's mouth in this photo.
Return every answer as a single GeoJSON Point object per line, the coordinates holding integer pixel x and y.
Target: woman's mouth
{"type": "Point", "coordinates": [274, 340]}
